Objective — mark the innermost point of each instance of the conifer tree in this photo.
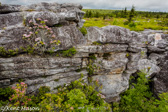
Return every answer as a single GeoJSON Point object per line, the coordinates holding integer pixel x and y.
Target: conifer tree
{"type": "Point", "coordinates": [131, 14]}
{"type": "Point", "coordinates": [125, 12]}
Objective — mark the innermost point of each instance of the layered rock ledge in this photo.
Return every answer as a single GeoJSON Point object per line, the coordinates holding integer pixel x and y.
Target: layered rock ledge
{"type": "Point", "coordinates": [118, 52]}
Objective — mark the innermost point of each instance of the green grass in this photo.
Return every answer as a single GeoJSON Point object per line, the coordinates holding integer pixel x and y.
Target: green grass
{"type": "Point", "coordinates": [141, 24]}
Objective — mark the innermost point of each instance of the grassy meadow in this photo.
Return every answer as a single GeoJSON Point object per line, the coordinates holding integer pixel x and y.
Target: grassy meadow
{"type": "Point", "coordinates": [140, 20]}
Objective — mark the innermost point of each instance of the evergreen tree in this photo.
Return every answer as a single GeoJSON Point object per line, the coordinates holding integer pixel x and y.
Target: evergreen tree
{"type": "Point", "coordinates": [167, 16]}
{"type": "Point", "coordinates": [131, 14]}
{"type": "Point", "coordinates": [90, 14]}
{"type": "Point", "coordinates": [97, 14]}
{"type": "Point", "coordinates": [158, 16]}
{"type": "Point", "coordinates": [86, 14]}
{"type": "Point", "coordinates": [104, 17]}
{"type": "Point", "coordinates": [125, 12]}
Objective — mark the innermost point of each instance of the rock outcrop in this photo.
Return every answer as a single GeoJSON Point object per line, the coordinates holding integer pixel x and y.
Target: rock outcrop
{"type": "Point", "coordinates": [118, 52]}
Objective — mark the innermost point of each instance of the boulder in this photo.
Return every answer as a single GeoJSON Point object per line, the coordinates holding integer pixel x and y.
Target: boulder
{"type": "Point", "coordinates": [109, 34]}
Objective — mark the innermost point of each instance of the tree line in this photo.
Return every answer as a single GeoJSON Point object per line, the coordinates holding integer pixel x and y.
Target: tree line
{"type": "Point", "coordinates": [98, 13]}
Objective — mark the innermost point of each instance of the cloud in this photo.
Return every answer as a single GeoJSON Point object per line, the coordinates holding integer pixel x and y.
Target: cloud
{"type": "Point", "coordinates": [151, 5]}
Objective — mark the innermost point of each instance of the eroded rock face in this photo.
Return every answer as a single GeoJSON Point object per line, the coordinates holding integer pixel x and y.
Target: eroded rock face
{"type": "Point", "coordinates": [161, 78]}
{"type": "Point", "coordinates": [14, 22]}
{"type": "Point", "coordinates": [109, 34]}
{"type": "Point", "coordinates": [118, 54]}
{"type": "Point", "coordinates": [9, 8]}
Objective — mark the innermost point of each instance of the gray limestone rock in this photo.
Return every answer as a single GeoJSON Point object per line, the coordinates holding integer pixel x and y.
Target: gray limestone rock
{"type": "Point", "coordinates": [160, 80]}
{"type": "Point", "coordinates": [4, 8]}
{"type": "Point", "coordinates": [148, 66]}
{"type": "Point", "coordinates": [109, 34]}
{"type": "Point", "coordinates": [9, 20]}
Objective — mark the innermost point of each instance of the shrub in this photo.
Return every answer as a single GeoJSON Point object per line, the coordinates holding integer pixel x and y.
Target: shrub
{"type": "Point", "coordinates": [77, 97]}
{"type": "Point", "coordinates": [5, 93]}
{"type": "Point", "coordinates": [19, 97]}
{"type": "Point", "coordinates": [132, 24]}
{"type": "Point", "coordinates": [91, 67]}
{"type": "Point", "coordinates": [41, 37]}
{"type": "Point", "coordinates": [38, 98]}
{"type": "Point", "coordinates": [139, 98]}
{"type": "Point", "coordinates": [163, 103]}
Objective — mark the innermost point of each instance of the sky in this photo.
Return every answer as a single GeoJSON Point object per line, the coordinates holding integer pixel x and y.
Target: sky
{"type": "Point", "coordinates": [144, 5]}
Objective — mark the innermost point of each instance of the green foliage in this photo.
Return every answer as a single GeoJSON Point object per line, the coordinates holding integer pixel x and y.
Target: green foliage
{"type": "Point", "coordinates": [19, 97]}
{"type": "Point", "coordinates": [24, 21]}
{"type": "Point", "coordinates": [139, 98]}
{"type": "Point", "coordinates": [96, 43]}
{"type": "Point", "coordinates": [43, 89]}
{"type": "Point", "coordinates": [75, 97]}
{"type": "Point", "coordinates": [131, 14]}
{"type": "Point", "coordinates": [57, 25]}
{"type": "Point", "coordinates": [92, 68]}
{"type": "Point", "coordinates": [36, 99]}
{"type": "Point", "coordinates": [41, 38]}
{"type": "Point", "coordinates": [8, 53]}
{"type": "Point", "coordinates": [127, 55]}
{"type": "Point", "coordinates": [136, 98]}
{"type": "Point", "coordinates": [106, 55]}
{"type": "Point", "coordinates": [5, 93]}
{"type": "Point", "coordinates": [83, 30]}
{"type": "Point", "coordinates": [79, 70]}
{"type": "Point", "coordinates": [163, 103]}
{"type": "Point", "coordinates": [132, 24]}
{"type": "Point", "coordinates": [92, 56]}
{"type": "Point", "coordinates": [142, 53]}
{"type": "Point", "coordinates": [56, 80]}
{"type": "Point", "coordinates": [133, 20]}
{"type": "Point", "coordinates": [69, 53]}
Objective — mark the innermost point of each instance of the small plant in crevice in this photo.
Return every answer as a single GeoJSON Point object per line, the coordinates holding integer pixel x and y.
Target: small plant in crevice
{"type": "Point", "coordinates": [92, 68]}
{"type": "Point", "coordinates": [92, 56]}
{"type": "Point", "coordinates": [142, 53]}
{"type": "Point", "coordinates": [127, 55]}
{"type": "Point", "coordinates": [106, 55]}
{"type": "Point", "coordinates": [96, 43]}
{"type": "Point", "coordinates": [83, 30]}
{"type": "Point", "coordinates": [8, 52]}
{"type": "Point", "coordinates": [57, 25]}
{"type": "Point", "coordinates": [67, 53]}
{"type": "Point", "coordinates": [41, 37]}
{"type": "Point", "coordinates": [70, 52]}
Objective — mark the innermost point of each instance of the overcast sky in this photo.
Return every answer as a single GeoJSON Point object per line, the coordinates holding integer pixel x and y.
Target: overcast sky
{"type": "Point", "coordinates": [150, 5]}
